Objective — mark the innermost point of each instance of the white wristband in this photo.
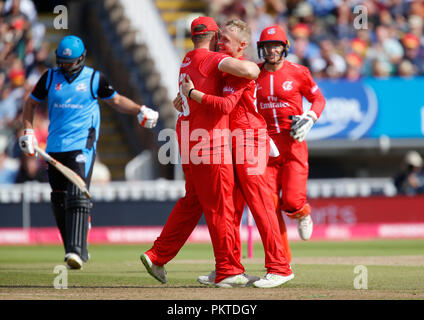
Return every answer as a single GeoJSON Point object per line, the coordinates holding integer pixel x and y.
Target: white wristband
{"type": "Point", "coordinates": [313, 115]}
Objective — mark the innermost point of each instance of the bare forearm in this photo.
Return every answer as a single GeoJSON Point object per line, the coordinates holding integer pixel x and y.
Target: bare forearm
{"type": "Point", "coordinates": [196, 95]}
{"type": "Point", "coordinates": [28, 112]}
{"type": "Point", "coordinates": [146, 117]}
{"type": "Point", "coordinates": [240, 68]}
{"type": "Point", "coordinates": [124, 105]}
{"type": "Point", "coordinates": [250, 70]}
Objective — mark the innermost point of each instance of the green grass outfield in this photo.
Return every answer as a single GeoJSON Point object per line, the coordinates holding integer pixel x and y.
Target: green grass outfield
{"type": "Point", "coordinates": [323, 270]}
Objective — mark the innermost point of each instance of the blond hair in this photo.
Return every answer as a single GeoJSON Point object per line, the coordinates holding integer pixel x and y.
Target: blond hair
{"type": "Point", "coordinates": [242, 28]}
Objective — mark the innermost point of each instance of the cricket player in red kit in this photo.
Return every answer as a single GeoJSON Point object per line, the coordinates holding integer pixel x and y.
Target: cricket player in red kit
{"type": "Point", "coordinates": [250, 147]}
{"type": "Point", "coordinates": [207, 163]}
{"type": "Point", "coordinates": [281, 87]}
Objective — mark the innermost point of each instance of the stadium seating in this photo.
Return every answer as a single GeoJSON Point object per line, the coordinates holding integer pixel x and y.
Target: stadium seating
{"type": "Point", "coordinates": [177, 14]}
{"type": "Point", "coordinates": [168, 190]}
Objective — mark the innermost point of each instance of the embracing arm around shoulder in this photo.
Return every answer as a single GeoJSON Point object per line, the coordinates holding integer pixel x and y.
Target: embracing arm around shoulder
{"type": "Point", "coordinates": [240, 68]}
{"type": "Point", "coordinates": [221, 104]}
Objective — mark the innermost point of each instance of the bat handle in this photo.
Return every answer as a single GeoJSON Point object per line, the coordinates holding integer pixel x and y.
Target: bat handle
{"type": "Point", "coordinates": [42, 153]}
{"type": "Point", "coordinates": [87, 194]}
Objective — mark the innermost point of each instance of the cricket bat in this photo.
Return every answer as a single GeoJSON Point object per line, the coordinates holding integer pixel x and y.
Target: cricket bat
{"type": "Point", "coordinates": [68, 173]}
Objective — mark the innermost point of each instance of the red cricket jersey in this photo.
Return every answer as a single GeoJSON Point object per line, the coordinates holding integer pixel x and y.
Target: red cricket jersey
{"type": "Point", "coordinates": [280, 94]}
{"type": "Point", "coordinates": [202, 67]}
{"type": "Point", "coordinates": [238, 99]}
{"type": "Point", "coordinates": [244, 114]}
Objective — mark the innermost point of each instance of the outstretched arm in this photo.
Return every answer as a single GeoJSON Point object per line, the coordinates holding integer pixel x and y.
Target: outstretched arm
{"type": "Point", "coordinates": [146, 117]}
{"type": "Point", "coordinates": [123, 104]}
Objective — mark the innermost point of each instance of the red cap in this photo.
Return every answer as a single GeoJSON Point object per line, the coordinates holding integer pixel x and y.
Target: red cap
{"type": "Point", "coordinates": [353, 59]}
{"type": "Point", "coordinates": [17, 76]}
{"type": "Point", "coordinates": [410, 41]}
{"type": "Point", "coordinates": [208, 22]}
{"type": "Point", "coordinates": [359, 46]}
{"type": "Point", "coordinates": [18, 24]}
{"type": "Point", "coordinates": [301, 30]}
{"type": "Point", "coordinates": [273, 33]}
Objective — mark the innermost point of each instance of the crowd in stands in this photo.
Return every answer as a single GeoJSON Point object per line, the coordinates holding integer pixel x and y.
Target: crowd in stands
{"type": "Point", "coordinates": [23, 59]}
{"type": "Point", "coordinates": [410, 178]}
{"type": "Point", "coordinates": [340, 38]}
{"type": "Point", "coordinates": [327, 36]}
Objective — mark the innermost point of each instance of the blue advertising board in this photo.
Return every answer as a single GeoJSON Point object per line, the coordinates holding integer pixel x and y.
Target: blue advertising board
{"type": "Point", "coordinates": [371, 108]}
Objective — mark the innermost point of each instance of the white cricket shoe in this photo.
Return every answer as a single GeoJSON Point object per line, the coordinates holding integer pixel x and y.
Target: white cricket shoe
{"type": "Point", "coordinates": [305, 227]}
{"type": "Point", "coordinates": [210, 279]}
{"type": "Point", "coordinates": [237, 281]}
{"type": "Point", "coordinates": [157, 272]}
{"type": "Point", "coordinates": [251, 279]}
{"type": "Point", "coordinates": [73, 261]}
{"type": "Point", "coordinates": [272, 280]}
{"type": "Point", "coordinates": [207, 280]}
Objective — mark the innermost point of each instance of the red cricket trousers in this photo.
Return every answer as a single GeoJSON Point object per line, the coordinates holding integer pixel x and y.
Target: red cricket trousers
{"type": "Point", "coordinates": [252, 188]}
{"type": "Point", "coordinates": [287, 175]}
{"type": "Point", "coordinates": [289, 172]}
{"type": "Point", "coordinates": [209, 189]}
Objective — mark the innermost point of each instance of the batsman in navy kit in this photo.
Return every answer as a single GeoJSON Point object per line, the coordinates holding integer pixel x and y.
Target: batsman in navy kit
{"type": "Point", "coordinates": [72, 91]}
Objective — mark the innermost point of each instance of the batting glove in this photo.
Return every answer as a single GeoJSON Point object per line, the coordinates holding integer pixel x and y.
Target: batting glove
{"type": "Point", "coordinates": [147, 117]}
{"type": "Point", "coordinates": [28, 142]}
{"type": "Point", "coordinates": [301, 126]}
